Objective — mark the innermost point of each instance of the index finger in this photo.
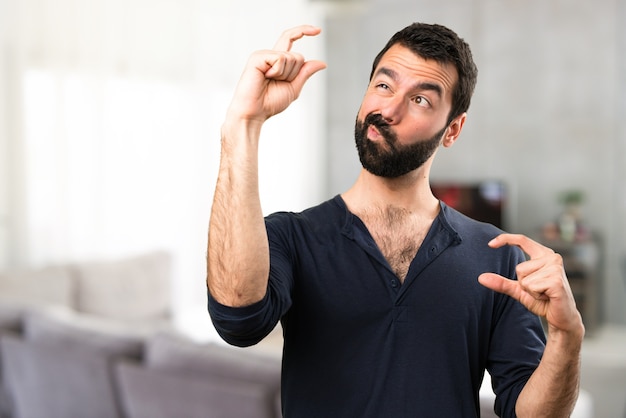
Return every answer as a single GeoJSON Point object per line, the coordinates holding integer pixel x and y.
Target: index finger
{"type": "Point", "coordinates": [529, 246]}
{"type": "Point", "coordinates": [288, 37]}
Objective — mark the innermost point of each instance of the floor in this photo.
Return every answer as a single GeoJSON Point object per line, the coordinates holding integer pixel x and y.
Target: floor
{"type": "Point", "coordinates": [604, 371]}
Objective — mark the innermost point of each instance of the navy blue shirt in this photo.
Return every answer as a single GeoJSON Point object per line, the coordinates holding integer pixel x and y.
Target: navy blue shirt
{"type": "Point", "coordinates": [360, 343]}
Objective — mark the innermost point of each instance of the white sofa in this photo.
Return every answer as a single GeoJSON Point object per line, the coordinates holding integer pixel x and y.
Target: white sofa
{"type": "Point", "coordinates": [59, 368]}
{"type": "Point", "coordinates": [131, 294]}
{"type": "Point", "coordinates": [97, 339]}
{"type": "Point", "coordinates": [133, 289]}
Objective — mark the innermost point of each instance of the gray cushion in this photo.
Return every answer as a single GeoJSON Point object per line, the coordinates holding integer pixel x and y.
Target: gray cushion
{"type": "Point", "coordinates": [172, 353]}
{"type": "Point", "coordinates": [10, 317]}
{"type": "Point", "coordinates": [10, 323]}
{"type": "Point", "coordinates": [58, 381]}
{"type": "Point", "coordinates": [63, 366]}
{"type": "Point", "coordinates": [149, 393]}
{"type": "Point", "coordinates": [72, 330]}
{"type": "Point", "coordinates": [175, 353]}
{"type": "Point", "coordinates": [6, 401]}
{"type": "Point", "coordinates": [132, 289]}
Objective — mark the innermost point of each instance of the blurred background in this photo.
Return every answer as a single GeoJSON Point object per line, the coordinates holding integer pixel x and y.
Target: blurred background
{"type": "Point", "coordinates": [110, 114]}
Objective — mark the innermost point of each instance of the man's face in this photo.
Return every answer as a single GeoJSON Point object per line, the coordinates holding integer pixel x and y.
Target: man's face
{"type": "Point", "coordinates": [403, 117]}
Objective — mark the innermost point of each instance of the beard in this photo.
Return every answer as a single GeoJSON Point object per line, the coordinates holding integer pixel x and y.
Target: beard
{"type": "Point", "coordinates": [399, 159]}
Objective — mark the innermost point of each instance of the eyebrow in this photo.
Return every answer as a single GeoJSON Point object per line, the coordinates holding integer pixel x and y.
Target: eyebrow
{"type": "Point", "coordinates": [422, 85]}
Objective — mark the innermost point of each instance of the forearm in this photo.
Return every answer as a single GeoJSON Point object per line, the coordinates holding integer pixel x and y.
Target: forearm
{"type": "Point", "coordinates": [238, 251]}
{"type": "Point", "coordinates": [553, 388]}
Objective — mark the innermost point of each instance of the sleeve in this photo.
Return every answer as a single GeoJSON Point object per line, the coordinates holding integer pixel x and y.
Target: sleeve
{"type": "Point", "coordinates": [517, 344]}
{"type": "Point", "coordinates": [248, 325]}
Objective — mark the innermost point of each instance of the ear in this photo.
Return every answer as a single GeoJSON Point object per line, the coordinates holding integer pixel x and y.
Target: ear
{"type": "Point", "coordinates": [454, 130]}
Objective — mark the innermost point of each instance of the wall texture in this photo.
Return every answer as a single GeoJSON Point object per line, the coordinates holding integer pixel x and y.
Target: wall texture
{"type": "Point", "coordinates": [545, 117]}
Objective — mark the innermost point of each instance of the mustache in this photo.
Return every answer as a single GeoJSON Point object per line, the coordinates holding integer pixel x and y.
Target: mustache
{"type": "Point", "coordinates": [377, 120]}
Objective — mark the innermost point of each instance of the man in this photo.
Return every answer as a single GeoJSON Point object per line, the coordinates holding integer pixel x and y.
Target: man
{"type": "Point", "coordinates": [392, 304]}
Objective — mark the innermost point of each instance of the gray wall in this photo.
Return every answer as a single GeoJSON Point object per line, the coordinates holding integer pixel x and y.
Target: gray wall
{"type": "Point", "coordinates": [545, 117]}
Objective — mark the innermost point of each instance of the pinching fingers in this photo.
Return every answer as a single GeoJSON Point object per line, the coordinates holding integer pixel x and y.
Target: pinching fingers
{"type": "Point", "coordinates": [542, 277]}
{"type": "Point", "coordinates": [285, 66]}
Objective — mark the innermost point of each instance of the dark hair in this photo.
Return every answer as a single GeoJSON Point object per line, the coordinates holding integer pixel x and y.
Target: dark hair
{"type": "Point", "coordinates": [441, 44]}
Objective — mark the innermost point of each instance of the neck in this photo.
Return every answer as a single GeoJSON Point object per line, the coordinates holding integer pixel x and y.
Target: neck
{"type": "Point", "coordinates": [410, 192]}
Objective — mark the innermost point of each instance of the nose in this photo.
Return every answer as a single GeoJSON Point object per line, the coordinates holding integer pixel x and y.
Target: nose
{"type": "Point", "coordinates": [392, 109]}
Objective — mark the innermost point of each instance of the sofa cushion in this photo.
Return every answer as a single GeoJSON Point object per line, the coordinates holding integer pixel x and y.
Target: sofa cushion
{"type": "Point", "coordinates": [136, 288]}
{"type": "Point", "coordinates": [171, 352]}
{"type": "Point", "coordinates": [58, 381]}
{"type": "Point", "coordinates": [174, 353]}
{"type": "Point", "coordinates": [149, 393]}
{"type": "Point", "coordinates": [45, 286]}
{"type": "Point", "coordinates": [68, 329]}
{"type": "Point", "coordinates": [62, 365]}
{"type": "Point", "coordinates": [6, 401]}
{"type": "Point", "coordinates": [11, 317]}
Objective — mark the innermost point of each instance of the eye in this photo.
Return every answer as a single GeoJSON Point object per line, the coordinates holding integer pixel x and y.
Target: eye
{"type": "Point", "coordinates": [382, 86]}
{"type": "Point", "coordinates": [421, 100]}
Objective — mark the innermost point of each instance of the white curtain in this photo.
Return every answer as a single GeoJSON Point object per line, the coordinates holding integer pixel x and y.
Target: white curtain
{"type": "Point", "coordinates": [111, 118]}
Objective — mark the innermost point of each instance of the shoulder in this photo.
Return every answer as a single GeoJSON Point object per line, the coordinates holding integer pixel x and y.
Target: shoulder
{"type": "Point", "coordinates": [331, 213]}
{"type": "Point", "coordinates": [313, 228]}
{"type": "Point", "coordinates": [474, 236]}
{"type": "Point", "coordinates": [467, 226]}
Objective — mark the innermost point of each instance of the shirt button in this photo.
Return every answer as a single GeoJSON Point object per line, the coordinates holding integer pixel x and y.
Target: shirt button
{"type": "Point", "coordinates": [394, 283]}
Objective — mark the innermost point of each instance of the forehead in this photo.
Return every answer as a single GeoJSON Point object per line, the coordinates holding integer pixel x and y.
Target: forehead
{"type": "Point", "coordinates": [413, 68]}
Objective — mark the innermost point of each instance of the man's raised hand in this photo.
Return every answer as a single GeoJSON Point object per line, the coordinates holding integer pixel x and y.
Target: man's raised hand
{"type": "Point", "coordinates": [541, 284]}
{"type": "Point", "coordinates": [273, 79]}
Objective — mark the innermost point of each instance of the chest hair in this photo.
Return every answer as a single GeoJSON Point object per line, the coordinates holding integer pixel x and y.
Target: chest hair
{"type": "Point", "coordinates": [398, 233]}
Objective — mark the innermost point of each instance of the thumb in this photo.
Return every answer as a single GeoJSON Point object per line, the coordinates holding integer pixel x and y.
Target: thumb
{"type": "Point", "coordinates": [500, 284]}
{"type": "Point", "coordinates": [308, 69]}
